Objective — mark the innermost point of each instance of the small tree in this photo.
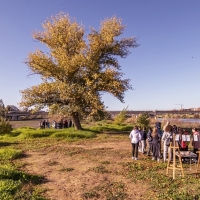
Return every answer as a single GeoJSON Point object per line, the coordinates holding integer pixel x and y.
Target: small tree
{"type": "Point", "coordinates": [5, 126]}
{"type": "Point", "coordinates": [143, 120]}
{"type": "Point", "coordinates": [121, 117]}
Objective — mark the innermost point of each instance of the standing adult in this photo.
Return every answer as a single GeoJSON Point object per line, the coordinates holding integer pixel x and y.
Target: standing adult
{"type": "Point", "coordinates": [43, 124]}
{"type": "Point", "coordinates": [135, 138]}
{"type": "Point", "coordinates": [70, 123]}
{"type": "Point", "coordinates": [158, 125]}
{"type": "Point", "coordinates": [149, 140]}
{"type": "Point", "coordinates": [47, 123]}
{"type": "Point", "coordinates": [184, 144]}
{"type": "Point", "coordinates": [156, 144]}
{"type": "Point", "coordinates": [140, 143]}
{"type": "Point", "coordinates": [65, 124]}
{"type": "Point", "coordinates": [143, 140]}
{"type": "Point", "coordinates": [196, 140]}
{"type": "Point", "coordinates": [166, 139]}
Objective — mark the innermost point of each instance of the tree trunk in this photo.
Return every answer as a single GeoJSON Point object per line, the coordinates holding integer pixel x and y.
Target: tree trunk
{"type": "Point", "coordinates": [76, 121]}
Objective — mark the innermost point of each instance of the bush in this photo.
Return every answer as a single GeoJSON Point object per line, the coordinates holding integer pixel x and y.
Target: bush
{"type": "Point", "coordinates": [121, 117]}
{"type": "Point", "coordinates": [5, 126]}
{"type": "Point", "coordinates": [143, 120]}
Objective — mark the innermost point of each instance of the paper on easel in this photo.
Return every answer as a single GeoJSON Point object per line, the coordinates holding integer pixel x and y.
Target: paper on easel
{"type": "Point", "coordinates": [183, 138]}
{"type": "Point", "coordinates": [177, 137]}
{"type": "Point", "coordinates": [196, 138]}
{"type": "Point", "coordinates": [188, 138]}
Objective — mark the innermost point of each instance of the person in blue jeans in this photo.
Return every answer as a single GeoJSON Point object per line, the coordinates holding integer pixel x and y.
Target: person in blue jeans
{"type": "Point", "coordinates": [149, 140]}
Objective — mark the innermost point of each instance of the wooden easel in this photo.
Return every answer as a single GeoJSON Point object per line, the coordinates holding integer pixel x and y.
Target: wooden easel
{"type": "Point", "coordinates": [173, 146]}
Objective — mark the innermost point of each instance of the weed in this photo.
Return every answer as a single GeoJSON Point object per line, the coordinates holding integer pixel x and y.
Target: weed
{"type": "Point", "coordinates": [105, 162]}
{"type": "Point", "coordinates": [67, 169]}
{"type": "Point", "coordinates": [51, 163]}
{"type": "Point", "coordinates": [90, 195]}
{"type": "Point", "coordinates": [100, 169]}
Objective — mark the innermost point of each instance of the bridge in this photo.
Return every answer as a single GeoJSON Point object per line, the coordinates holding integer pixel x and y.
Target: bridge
{"type": "Point", "coordinates": [157, 112]}
{"type": "Point", "coordinates": [18, 115]}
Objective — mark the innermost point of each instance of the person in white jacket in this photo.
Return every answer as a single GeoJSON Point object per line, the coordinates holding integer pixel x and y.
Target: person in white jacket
{"type": "Point", "coordinates": [166, 138]}
{"type": "Point", "coordinates": [135, 138]}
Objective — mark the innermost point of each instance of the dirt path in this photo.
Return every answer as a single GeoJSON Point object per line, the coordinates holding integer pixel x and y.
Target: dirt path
{"type": "Point", "coordinates": [84, 171]}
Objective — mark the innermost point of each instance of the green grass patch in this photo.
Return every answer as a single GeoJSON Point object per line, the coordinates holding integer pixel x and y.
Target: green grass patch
{"type": "Point", "coordinates": [165, 186]}
{"type": "Point", "coordinates": [13, 181]}
{"type": "Point", "coordinates": [8, 154]}
{"type": "Point", "coordinates": [31, 133]}
{"type": "Point", "coordinates": [110, 190]}
{"type": "Point", "coordinates": [110, 127]}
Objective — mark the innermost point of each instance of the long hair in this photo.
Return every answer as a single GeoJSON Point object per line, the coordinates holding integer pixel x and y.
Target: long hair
{"type": "Point", "coordinates": [167, 127]}
{"type": "Point", "coordinates": [155, 131]}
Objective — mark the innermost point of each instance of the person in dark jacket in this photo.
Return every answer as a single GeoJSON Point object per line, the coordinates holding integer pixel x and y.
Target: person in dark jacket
{"type": "Point", "coordinates": [143, 140]}
{"type": "Point", "coordinates": [156, 137]}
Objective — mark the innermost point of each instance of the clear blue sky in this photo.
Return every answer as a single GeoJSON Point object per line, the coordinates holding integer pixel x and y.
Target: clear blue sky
{"type": "Point", "coordinates": [164, 70]}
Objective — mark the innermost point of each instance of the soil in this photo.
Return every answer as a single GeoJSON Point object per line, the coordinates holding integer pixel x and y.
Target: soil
{"type": "Point", "coordinates": [86, 170]}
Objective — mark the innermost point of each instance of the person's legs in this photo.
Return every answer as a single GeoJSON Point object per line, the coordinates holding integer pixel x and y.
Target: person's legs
{"type": "Point", "coordinates": [157, 152]}
{"type": "Point", "coordinates": [133, 150]}
{"type": "Point", "coordinates": [153, 151]}
{"type": "Point", "coordinates": [149, 149]}
{"type": "Point", "coordinates": [195, 151]}
{"type": "Point", "coordinates": [136, 150]}
{"type": "Point", "coordinates": [140, 146]}
{"type": "Point", "coordinates": [165, 150]}
{"type": "Point", "coordinates": [170, 156]}
{"type": "Point", "coordinates": [143, 147]}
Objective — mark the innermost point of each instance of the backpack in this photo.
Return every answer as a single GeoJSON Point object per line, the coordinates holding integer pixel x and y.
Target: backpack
{"type": "Point", "coordinates": [167, 143]}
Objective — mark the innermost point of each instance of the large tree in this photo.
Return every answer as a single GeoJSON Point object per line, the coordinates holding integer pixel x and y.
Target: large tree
{"type": "Point", "coordinates": [78, 68]}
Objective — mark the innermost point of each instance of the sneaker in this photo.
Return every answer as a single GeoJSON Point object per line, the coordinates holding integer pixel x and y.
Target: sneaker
{"type": "Point", "coordinates": [133, 158]}
{"type": "Point", "coordinates": [153, 158]}
{"type": "Point", "coordinates": [158, 160]}
{"type": "Point", "coordinates": [136, 158]}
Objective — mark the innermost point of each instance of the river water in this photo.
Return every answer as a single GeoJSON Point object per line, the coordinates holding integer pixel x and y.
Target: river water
{"type": "Point", "coordinates": [181, 119]}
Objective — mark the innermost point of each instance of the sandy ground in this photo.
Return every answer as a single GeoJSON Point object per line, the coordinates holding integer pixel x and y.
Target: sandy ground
{"type": "Point", "coordinates": [74, 171]}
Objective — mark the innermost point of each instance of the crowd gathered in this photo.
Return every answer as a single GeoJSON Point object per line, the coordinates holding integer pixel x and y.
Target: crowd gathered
{"type": "Point", "coordinates": [57, 125]}
{"type": "Point", "coordinates": [156, 142]}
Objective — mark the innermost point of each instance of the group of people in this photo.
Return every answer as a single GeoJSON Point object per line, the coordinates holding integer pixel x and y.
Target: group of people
{"type": "Point", "coordinates": [62, 124]}
{"type": "Point", "coordinates": [44, 124]}
{"type": "Point", "coordinates": [159, 139]}
{"type": "Point", "coordinates": [57, 125]}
